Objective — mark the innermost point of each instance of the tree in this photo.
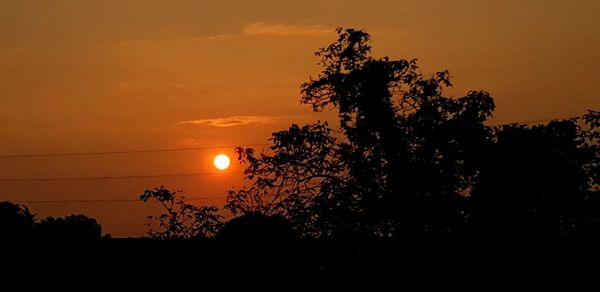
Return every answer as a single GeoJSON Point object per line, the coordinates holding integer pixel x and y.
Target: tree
{"type": "Point", "coordinates": [404, 162]}
{"type": "Point", "coordinates": [181, 220]}
{"type": "Point", "coordinates": [540, 181]}
{"type": "Point", "coordinates": [408, 161]}
{"type": "Point", "coordinates": [16, 222]}
{"type": "Point", "coordinates": [75, 227]}
{"type": "Point", "coordinates": [292, 182]}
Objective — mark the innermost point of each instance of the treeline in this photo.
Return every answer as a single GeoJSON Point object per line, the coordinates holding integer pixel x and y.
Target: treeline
{"type": "Point", "coordinates": [18, 223]}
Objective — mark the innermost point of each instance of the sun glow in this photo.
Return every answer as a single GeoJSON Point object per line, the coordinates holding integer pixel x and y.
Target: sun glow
{"type": "Point", "coordinates": [221, 161]}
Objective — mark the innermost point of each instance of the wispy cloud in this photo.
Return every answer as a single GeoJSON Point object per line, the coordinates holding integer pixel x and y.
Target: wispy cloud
{"type": "Point", "coordinates": [233, 121]}
{"type": "Point", "coordinates": [278, 29]}
{"type": "Point", "coordinates": [213, 37]}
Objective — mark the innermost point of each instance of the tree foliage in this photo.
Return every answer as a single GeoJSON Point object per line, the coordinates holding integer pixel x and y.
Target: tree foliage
{"type": "Point", "coordinates": [72, 227]}
{"type": "Point", "coordinates": [16, 222]}
{"type": "Point", "coordinates": [407, 160]}
{"type": "Point", "coordinates": [540, 181]}
{"type": "Point", "coordinates": [179, 219]}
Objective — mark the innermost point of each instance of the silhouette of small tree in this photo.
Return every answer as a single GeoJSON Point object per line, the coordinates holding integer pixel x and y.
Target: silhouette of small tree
{"type": "Point", "coordinates": [181, 220]}
{"type": "Point", "coordinates": [16, 222]}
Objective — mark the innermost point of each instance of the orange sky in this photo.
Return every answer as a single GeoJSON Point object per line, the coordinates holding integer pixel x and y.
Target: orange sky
{"type": "Point", "coordinates": [86, 76]}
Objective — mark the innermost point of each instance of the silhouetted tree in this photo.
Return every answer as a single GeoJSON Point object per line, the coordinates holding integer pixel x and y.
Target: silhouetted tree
{"type": "Point", "coordinates": [181, 220]}
{"type": "Point", "coordinates": [289, 183]}
{"type": "Point", "coordinates": [410, 161]}
{"type": "Point", "coordinates": [70, 228]}
{"type": "Point", "coordinates": [540, 181]}
{"type": "Point", "coordinates": [257, 226]}
{"type": "Point", "coordinates": [16, 222]}
{"type": "Point", "coordinates": [406, 159]}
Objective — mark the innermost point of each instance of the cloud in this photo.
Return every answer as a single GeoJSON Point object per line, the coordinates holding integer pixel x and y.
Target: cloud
{"type": "Point", "coordinates": [212, 37]}
{"type": "Point", "coordinates": [227, 122]}
{"type": "Point", "coordinates": [262, 28]}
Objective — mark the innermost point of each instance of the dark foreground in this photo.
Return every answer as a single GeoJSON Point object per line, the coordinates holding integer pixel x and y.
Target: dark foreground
{"type": "Point", "coordinates": [305, 263]}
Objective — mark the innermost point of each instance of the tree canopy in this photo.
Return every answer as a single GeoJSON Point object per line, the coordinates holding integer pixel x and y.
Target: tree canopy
{"type": "Point", "coordinates": [17, 223]}
{"type": "Point", "coordinates": [407, 160]}
{"type": "Point", "coordinates": [73, 227]}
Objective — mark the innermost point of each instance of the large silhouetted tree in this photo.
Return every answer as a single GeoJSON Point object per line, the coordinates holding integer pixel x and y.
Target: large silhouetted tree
{"type": "Point", "coordinates": [403, 165]}
{"type": "Point", "coordinates": [408, 161]}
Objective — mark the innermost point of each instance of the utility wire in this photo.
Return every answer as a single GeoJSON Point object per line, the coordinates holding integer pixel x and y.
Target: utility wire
{"type": "Point", "coordinates": [123, 151]}
{"type": "Point", "coordinates": [110, 177]}
{"type": "Point", "coordinates": [66, 154]}
{"type": "Point", "coordinates": [83, 178]}
{"type": "Point", "coordinates": [101, 201]}
{"type": "Point", "coordinates": [586, 61]}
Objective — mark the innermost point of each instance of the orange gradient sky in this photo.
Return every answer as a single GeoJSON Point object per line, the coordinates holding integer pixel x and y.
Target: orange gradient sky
{"type": "Point", "coordinates": [89, 76]}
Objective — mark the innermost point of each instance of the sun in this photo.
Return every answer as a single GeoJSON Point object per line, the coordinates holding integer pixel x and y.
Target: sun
{"type": "Point", "coordinates": [221, 161]}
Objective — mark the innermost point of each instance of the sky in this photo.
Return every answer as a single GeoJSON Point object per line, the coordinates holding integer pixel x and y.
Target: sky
{"type": "Point", "coordinates": [119, 75]}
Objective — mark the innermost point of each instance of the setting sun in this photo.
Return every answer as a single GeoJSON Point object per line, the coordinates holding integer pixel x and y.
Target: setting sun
{"type": "Point", "coordinates": [221, 161]}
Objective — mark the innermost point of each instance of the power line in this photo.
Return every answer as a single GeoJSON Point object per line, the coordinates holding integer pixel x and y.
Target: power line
{"type": "Point", "coordinates": [587, 61]}
{"type": "Point", "coordinates": [109, 177]}
{"type": "Point", "coordinates": [101, 201]}
{"type": "Point", "coordinates": [65, 154]}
